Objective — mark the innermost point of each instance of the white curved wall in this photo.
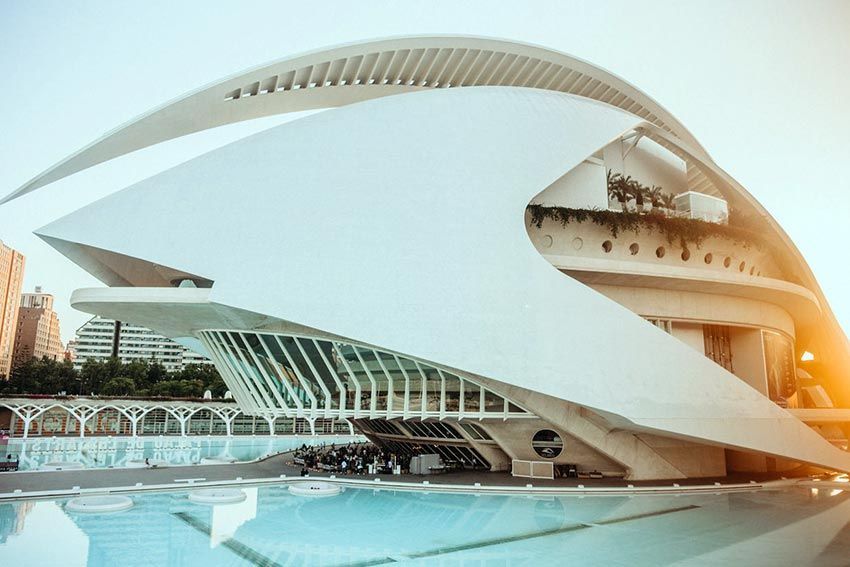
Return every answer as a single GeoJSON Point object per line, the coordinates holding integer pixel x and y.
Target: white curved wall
{"type": "Point", "coordinates": [415, 206]}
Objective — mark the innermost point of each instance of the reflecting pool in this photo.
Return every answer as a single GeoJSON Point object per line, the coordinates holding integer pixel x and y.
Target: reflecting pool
{"type": "Point", "coordinates": [102, 452]}
{"type": "Point", "coordinates": [369, 527]}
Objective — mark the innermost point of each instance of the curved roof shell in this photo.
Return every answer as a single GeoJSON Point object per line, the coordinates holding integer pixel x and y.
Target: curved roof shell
{"type": "Point", "coordinates": [361, 71]}
{"type": "Point", "coordinates": [417, 244]}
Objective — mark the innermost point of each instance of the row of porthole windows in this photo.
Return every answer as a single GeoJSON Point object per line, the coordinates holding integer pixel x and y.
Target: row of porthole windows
{"type": "Point", "coordinates": [660, 252]}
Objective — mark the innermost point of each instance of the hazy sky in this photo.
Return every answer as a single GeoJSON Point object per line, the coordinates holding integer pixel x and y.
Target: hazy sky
{"type": "Point", "coordinates": [764, 86]}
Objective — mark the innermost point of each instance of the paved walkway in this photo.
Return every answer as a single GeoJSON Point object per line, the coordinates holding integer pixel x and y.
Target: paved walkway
{"type": "Point", "coordinates": [272, 468]}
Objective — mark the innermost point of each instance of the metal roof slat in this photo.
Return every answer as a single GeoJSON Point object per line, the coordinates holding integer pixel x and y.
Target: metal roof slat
{"type": "Point", "coordinates": [515, 69]}
{"type": "Point", "coordinates": [504, 65]}
{"type": "Point", "coordinates": [366, 68]}
{"type": "Point", "coordinates": [536, 76]}
{"type": "Point", "coordinates": [379, 74]}
{"type": "Point", "coordinates": [412, 63]}
{"type": "Point", "coordinates": [463, 67]}
{"type": "Point", "coordinates": [444, 78]}
{"type": "Point", "coordinates": [526, 72]}
{"type": "Point", "coordinates": [490, 67]}
{"type": "Point", "coordinates": [477, 68]}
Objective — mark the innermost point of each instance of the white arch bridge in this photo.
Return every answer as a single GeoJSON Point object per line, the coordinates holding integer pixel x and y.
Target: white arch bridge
{"type": "Point", "coordinates": [38, 417]}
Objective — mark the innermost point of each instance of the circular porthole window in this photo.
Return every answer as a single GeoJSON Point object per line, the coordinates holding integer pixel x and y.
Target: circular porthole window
{"type": "Point", "coordinates": [577, 243]}
{"type": "Point", "coordinates": [727, 262]}
{"type": "Point", "coordinates": [686, 255]}
{"type": "Point", "coordinates": [742, 266]}
{"type": "Point", "coordinates": [634, 249]}
{"type": "Point", "coordinates": [660, 251]}
{"type": "Point", "coordinates": [547, 241]}
{"type": "Point", "coordinates": [607, 246]}
{"type": "Point", "coordinates": [708, 258]}
{"type": "Point", "coordinates": [547, 444]}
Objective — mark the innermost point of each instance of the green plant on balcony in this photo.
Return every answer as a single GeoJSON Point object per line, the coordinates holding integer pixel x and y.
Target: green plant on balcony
{"type": "Point", "coordinates": [623, 188]}
{"type": "Point", "coordinates": [686, 231]}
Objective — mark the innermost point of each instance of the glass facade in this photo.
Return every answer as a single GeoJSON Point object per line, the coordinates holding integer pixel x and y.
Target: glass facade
{"type": "Point", "coordinates": [278, 374]}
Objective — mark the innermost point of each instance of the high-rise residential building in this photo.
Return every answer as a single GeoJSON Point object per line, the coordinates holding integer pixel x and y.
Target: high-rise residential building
{"type": "Point", "coordinates": [37, 334]}
{"type": "Point", "coordinates": [101, 338]}
{"type": "Point", "coordinates": [11, 279]}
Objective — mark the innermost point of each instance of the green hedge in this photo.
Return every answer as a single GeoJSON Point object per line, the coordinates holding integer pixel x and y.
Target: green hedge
{"type": "Point", "coordinates": [684, 230]}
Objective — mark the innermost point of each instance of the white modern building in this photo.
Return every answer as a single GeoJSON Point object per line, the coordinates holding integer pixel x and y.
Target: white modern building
{"type": "Point", "coordinates": [101, 338]}
{"type": "Point", "coordinates": [433, 257]}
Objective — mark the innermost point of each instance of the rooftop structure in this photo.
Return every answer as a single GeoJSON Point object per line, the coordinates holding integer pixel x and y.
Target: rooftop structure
{"type": "Point", "coordinates": [432, 257]}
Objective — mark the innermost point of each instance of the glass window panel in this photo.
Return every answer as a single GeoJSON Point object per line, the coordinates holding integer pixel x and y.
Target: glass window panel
{"type": "Point", "coordinates": [452, 392]}
{"type": "Point", "coordinates": [355, 377]}
{"type": "Point", "coordinates": [283, 369]}
{"type": "Point", "coordinates": [415, 390]}
{"type": "Point", "coordinates": [322, 369]}
{"type": "Point", "coordinates": [397, 376]}
{"type": "Point", "coordinates": [373, 370]}
{"type": "Point", "coordinates": [269, 368]}
{"type": "Point", "coordinates": [432, 388]}
{"type": "Point", "coordinates": [493, 403]}
{"type": "Point", "coordinates": [311, 382]}
{"type": "Point", "coordinates": [471, 397]}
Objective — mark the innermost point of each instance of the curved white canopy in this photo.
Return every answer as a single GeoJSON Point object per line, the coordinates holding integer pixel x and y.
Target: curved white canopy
{"type": "Point", "coordinates": [417, 244]}
{"type": "Point", "coordinates": [360, 71]}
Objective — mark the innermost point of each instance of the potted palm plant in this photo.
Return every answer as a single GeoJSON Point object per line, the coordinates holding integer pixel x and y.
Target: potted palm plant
{"type": "Point", "coordinates": [620, 189]}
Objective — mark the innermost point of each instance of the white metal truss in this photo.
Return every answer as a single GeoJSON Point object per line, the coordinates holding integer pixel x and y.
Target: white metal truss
{"type": "Point", "coordinates": [80, 416]}
{"type": "Point", "coordinates": [303, 376]}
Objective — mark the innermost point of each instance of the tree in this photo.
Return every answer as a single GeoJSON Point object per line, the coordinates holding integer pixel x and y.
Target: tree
{"type": "Point", "coordinates": [112, 378]}
{"type": "Point", "coordinates": [655, 195]}
{"type": "Point", "coordinates": [119, 386]}
{"type": "Point", "coordinates": [667, 201]}
{"type": "Point", "coordinates": [620, 189]}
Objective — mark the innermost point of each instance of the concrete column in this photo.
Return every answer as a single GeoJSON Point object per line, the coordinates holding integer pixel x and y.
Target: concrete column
{"type": "Point", "coordinates": [270, 421]}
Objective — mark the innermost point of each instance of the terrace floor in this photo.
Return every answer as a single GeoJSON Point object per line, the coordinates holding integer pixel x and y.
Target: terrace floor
{"type": "Point", "coordinates": [51, 483]}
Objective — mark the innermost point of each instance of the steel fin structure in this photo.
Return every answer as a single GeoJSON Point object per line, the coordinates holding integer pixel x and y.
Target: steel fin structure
{"type": "Point", "coordinates": [543, 265]}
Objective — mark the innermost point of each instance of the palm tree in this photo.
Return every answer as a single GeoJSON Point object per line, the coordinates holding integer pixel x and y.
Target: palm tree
{"type": "Point", "coordinates": [654, 193]}
{"type": "Point", "coordinates": [619, 189]}
{"type": "Point", "coordinates": [639, 192]}
{"type": "Point", "coordinates": [667, 201]}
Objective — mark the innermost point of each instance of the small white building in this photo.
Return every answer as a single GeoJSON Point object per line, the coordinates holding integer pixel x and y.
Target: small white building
{"type": "Point", "coordinates": [701, 206]}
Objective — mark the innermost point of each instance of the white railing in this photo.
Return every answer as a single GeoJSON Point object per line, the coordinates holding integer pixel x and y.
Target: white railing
{"type": "Point", "coordinates": [532, 469]}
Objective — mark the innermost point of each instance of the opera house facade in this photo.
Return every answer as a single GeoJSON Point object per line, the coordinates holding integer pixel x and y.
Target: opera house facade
{"type": "Point", "coordinates": [489, 250]}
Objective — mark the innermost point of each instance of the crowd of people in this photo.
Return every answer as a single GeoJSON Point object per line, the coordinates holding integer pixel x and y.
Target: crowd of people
{"type": "Point", "coordinates": [350, 459]}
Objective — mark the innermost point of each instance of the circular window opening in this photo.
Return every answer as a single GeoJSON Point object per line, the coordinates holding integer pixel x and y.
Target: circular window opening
{"type": "Point", "coordinates": [660, 251]}
{"type": "Point", "coordinates": [578, 243]}
{"type": "Point", "coordinates": [634, 249]}
{"type": "Point", "coordinates": [727, 262]}
{"type": "Point", "coordinates": [547, 444]}
{"type": "Point", "coordinates": [686, 255]}
{"type": "Point", "coordinates": [742, 266]}
{"type": "Point", "coordinates": [752, 270]}
{"type": "Point", "coordinates": [708, 258]}
{"type": "Point", "coordinates": [547, 241]}
{"type": "Point", "coordinates": [607, 246]}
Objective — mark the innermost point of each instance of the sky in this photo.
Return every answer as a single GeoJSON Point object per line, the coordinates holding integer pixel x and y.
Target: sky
{"type": "Point", "coordinates": [763, 85]}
